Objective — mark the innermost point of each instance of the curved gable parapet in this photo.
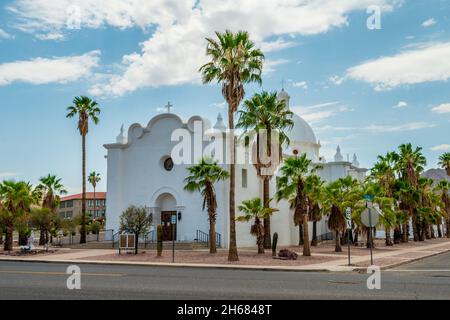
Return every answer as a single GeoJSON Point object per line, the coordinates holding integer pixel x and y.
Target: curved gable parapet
{"type": "Point", "coordinates": [137, 131]}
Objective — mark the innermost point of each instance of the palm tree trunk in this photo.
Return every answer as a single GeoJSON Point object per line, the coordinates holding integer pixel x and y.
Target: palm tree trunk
{"type": "Point", "coordinates": [212, 235]}
{"type": "Point", "coordinates": [41, 237]}
{"type": "Point", "coordinates": [314, 237]}
{"type": "Point", "coordinates": [95, 209]}
{"type": "Point", "coordinates": [23, 239]}
{"type": "Point", "coordinates": [432, 234]}
{"type": "Point", "coordinates": [266, 198]}
{"type": "Point", "coordinates": [338, 247]}
{"type": "Point", "coordinates": [426, 230]}
{"type": "Point", "coordinates": [306, 246]}
{"type": "Point", "coordinates": [439, 228]}
{"type": "Point", "coordinates": [8, 246]}
{"type": "Point", "coordinates": [83, 197]}
{"type": "Point", "coordinates": [232, 253]}
{"type": "Point", "coordinates": [260, 243]}
{"type": "Point", "coordinates": [300, 234]}
{"type": "Point", "coordinates": [397, 234]}
{"type": "Point", "coordinates": [388, 237]}
{"type": "Point", "coordinates": [369, 239]}
{"type": "Point", "coordinates": [405, 233]}
{"type": "Point", "coordinates": [448, 228]}
{"type": "Point", "coordinates": [415, 229]}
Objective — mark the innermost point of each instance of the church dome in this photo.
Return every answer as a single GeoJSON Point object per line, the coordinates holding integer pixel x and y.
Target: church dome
{"type": "Point", "coordinates": [301, 131]}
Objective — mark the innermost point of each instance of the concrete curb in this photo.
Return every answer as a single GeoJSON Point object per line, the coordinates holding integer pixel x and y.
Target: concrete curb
{"type": "Point", "coordinates": [222, 266]}
{"type": "Point", "coordinates": [187, 265]}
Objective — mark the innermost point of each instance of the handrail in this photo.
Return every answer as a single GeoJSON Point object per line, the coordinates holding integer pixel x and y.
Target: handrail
{"type": "Point", "coordinates": [203, 237]}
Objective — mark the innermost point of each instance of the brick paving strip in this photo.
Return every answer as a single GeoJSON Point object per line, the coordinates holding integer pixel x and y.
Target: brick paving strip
{"type": "Point", "coordinates": [322, 260]}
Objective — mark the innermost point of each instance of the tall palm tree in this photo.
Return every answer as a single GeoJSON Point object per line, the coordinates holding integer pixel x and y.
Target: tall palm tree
{"type": "Point", "coordinates": [444, 162]}
{"type": "Point", "coordinates": [443, 188]}
{"type": "Point", "coordinates": [410, 165]}
{"type": "Point", "coordinates": [314, 192]}
{"type": "Point", "coordinates": [50, 189]}
{"type": "Point", "coordinates": [265, 112]}
{"type": "Point", "coordinates": [16, 200]}
{"type": "Point", "coordinates": [94, 178]}
{"type": "Point", "coordinates": [255, 210]}
{"type": "Point", "coordinates": [86, 109]}
{"type": "Point", "coordinates": [234, 62]}
{"type": "Point", "coordinates": [291, 187]}
{"type": "Point", "coordinates": [339, 195]}
{"type": "Point", "coordinates": [202, 178]}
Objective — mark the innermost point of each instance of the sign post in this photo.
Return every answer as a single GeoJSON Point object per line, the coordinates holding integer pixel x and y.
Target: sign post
{"type": "Point", "coordinates": [348, 215]}
{"type": "Point", "coordinates": [370, 219]}
{"type": "Point", "coordinates": [173, 221]}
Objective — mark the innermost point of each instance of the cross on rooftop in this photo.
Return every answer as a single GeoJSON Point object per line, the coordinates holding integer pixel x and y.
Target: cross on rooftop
{"type": "Point", "coordinates": [169, 106]}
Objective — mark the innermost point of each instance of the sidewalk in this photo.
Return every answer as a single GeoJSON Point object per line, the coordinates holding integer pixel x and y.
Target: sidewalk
{"type": "Point", "coordinates": [323, 258]}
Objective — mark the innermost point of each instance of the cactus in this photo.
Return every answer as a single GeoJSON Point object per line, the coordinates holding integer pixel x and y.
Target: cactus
{"type": "Point", "coordinates": [274, 244]}
{"type": "Point", "coordinates": [160, 240]}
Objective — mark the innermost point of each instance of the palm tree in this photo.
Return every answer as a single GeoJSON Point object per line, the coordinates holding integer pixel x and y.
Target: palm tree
{"type": "Point", "coordinates": [314, 191]}
{"type": "Point", "coordinates": [443, 188]}
{"type": "Point", "coordinates": [93, 179]}
{"type": "Point", "coordinates": [254, 209]}
{"type": "Point", "coordinates": [86, 109]}
{"type": "Point", "coordinates": [202, 178]}
{"type": "Point", "coordinates": [444, 162]}
{"type": "Point", "coordinates": [50, 190]}
{"type": "Point", "coordinates": [388, 217]}
{"type": "Point", "coordinates": [339, 195]}
{"type": "Point", "coordinates": [291, 186]}
{"type": "Point", "coordinates": [410, 165]}
{"type": "Point", "coordinates": [16, 200]}
{"type": "Point", "coordinates": [234, 62]}
{"type": "Point", "coordinates": [265, 112]}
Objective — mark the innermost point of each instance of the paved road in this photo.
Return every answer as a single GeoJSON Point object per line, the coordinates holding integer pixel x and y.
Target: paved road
{"type": "Point", "coordinates": [427, 279]}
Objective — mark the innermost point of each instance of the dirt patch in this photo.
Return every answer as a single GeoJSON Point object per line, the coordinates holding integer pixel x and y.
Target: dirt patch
{"type": "Point", "coordinates": [221, 257]}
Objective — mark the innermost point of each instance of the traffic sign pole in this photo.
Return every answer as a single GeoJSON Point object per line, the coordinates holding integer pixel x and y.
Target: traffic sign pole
{"type": "Point", "coordinates": [370, 237]}
{"type": "Point", "coordinates": [174, 221]}
{"type": "Point", "coordinates": [349, 229]}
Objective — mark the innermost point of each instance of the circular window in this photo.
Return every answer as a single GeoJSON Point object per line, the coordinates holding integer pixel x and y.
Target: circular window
{"type": "Point", "coordinates": [168, 164]}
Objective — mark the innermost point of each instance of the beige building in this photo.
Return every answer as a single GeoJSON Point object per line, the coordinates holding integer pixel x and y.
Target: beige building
{"type": "Point", "coordinates": [70, 206]}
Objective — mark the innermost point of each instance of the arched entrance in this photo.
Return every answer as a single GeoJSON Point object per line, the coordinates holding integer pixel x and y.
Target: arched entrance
{"type": "Point", "coordinates": [167, 205]}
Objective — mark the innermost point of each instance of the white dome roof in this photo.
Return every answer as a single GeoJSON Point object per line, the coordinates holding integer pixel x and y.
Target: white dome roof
{"type": "Point", "coordinates": [301, 131]}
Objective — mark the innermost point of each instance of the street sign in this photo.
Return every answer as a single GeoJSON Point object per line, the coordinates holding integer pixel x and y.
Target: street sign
{"type": "Point", "coordinates": [174, 219]}
{"type": "Point", "coordinates": [368, 197]}
{"type": "Point", "coordinates": [348, 216]}
{"type": "Point", "coordinates": [372, 220]}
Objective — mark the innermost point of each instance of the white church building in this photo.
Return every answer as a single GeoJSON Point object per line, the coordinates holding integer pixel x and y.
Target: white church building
{"type": "Point", "coordinates": [141, 172]}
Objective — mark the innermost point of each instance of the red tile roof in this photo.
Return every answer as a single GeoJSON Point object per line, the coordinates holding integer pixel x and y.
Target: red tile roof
{"type": "Point", "coordinates": [89, 196]}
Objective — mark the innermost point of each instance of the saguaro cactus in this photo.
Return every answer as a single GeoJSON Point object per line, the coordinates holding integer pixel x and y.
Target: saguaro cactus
{"type": "Point", "coordinates": [274, 244]}
{"type": "Point", "coordinates": [160, 240]}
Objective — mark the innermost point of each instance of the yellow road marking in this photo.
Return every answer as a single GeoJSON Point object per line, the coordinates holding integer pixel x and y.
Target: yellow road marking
{"type": "Point", "coordinates": [62, 273]}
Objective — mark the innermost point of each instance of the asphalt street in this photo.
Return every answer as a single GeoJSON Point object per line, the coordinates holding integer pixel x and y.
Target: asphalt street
{"type": "Point", "coordinates": [426, 279]}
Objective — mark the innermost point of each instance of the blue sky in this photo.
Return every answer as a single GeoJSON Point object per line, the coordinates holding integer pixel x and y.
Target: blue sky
{"type": "Point", "coordinates": [366, 90]}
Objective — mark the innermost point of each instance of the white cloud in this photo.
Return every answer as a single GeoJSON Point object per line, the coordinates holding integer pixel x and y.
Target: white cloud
{"type": "Point", "coordinates": [51, 36]}
{"type": "Point", "coordinates": [380, 128]}
{"type": "Point", "coordinates": [428, 23]}
{"type": "Point", "coordinates": [442, 108]}
{"type": "Point", "coordinates": [401, 105]}
{"type": "Point", "coordinates": [5, 35]}
{"type": "Point", "coordinates": [336, 80]}
{"type": "Point", "coordinates": [276, 45]}
{"type": "Point", "coordinates": [412, 126]}
{"type": "Point", "coordinates": [176, 49]}
{"type": "Point", "coordinates": [423, 64]}
{"type": "Point", "coordinates": [319, 112]}
{"type": "Point", "coordinates": [220, 105]}
{"type": "Point", "coordinates": [55, 70]}
{"type": "Point", "coordinates": [301, 84]}
{"type": "Point", "coordinates": [4, 175]}
{"type": "Point", "coordinates": [442, 147]}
